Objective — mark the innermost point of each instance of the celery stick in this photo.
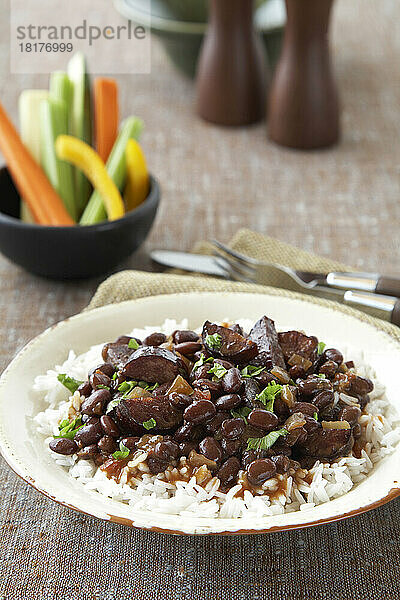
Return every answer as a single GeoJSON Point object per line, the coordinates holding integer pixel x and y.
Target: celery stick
{"type": "Point", "coordinates": [81, 120]}
{"type": "Point", "coordinates": [54, 122]}
{"type": "Point", "coordinates": [61, 89]}
{"type": "Point", "coordinates": [28, 108]}
{"type": "Point", "coordinates": [116, 168]}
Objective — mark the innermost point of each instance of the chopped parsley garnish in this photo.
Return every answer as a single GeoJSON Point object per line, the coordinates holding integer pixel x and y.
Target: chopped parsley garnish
{"type": "Point", "coordinates": [102, 387]}
{"type": "Point", "coordinates": [122, 453]}
{"type": "Point", "coordinates": [267, 441]}
{"type": "Point", "coordinates": [270, 405]}
{"type": "Point", "coordinates": [147, 386]}
{"type": "Point", "coordinates": [268, 395]}
{"type": "Point", "coordinates": [149, 424]}
{"type": "Point", "coordinates": [214, 341]}
{"type": "Point", "coordinates": [315, 415]}
{"type": "Point", "coordinates": [321, 376]}
{"type": "Point", "coordinates": [251, 371]}
{"type": "Point", "coordinates": [202, 360]}
{"type": "Point", "coordinates": [127, 386]}
{"type": "Point", "coordinates": [242, 413]}
{"type": "Point", "coordinates": [114, 377]}
{"type": "Point", "coordinates": [321, 347]}
{"type": "Point", "coordinates": [68, 429]}
{"type": "Point", "coordinates": [133, 344]}
{"type": "Point", "coordinates": [218, 371]}
{"type": "Point", "coordinates": [69, 382]}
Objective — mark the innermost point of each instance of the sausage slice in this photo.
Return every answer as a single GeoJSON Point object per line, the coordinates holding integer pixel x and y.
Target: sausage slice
{"type": "Point", "coordinates": [131, 413]}
{"type": "Point", "coordinates": [265, 336]}
{"type": "Point", "coordinates": [327, 444]}
{"type": "Point", "coordinates": [154, 365]}
{"type": "Point", "coordinates": [295, 342]}
{"type": "Point", "coordinates": [222, 342]}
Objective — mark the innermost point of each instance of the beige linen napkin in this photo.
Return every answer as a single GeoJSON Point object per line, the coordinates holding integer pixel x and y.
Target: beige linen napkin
{"type": "Point", "coordinates": [128, 285]}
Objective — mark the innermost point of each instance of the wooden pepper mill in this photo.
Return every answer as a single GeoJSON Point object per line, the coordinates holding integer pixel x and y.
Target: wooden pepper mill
{"type": "Point", "coordinates": [231, 76]}
{"type": "Point", "coordinates": [303, 105]}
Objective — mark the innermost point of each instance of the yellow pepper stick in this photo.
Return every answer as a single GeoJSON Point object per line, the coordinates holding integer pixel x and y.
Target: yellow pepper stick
{"type": "Point", "coordinates": [82, 156]}
{"type": "Point", "coordinates": [137, 176]}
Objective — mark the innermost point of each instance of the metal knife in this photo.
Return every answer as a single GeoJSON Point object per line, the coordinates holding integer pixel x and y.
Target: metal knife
{"type": "Point", "coordinates": [366, 282]}
{"type": "Point", "coordinates": [389, 304]}
{"type": "Point", "coordinates": [198, 263]}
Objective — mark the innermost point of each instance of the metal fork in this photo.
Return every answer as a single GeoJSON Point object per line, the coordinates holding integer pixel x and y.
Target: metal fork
{"type": "Point", "coordinates": [244, 268]}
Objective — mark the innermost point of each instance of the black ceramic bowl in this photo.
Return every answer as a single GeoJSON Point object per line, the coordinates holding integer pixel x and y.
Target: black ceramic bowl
{"type": "Point", "coordinates": [71, 252]}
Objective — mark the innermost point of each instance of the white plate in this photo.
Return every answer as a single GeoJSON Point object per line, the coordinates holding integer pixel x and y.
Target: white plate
{"type": "Point", "coordinates": [24, 450]}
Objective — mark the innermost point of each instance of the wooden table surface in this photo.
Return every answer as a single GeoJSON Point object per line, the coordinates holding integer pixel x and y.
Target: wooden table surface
{"type": "Point", "coordinates": [342, 202]}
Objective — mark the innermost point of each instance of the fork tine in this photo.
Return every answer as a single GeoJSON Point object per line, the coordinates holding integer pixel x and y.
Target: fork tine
{"type": "Point", "coordinates": [247, 260]}
{"type": "Point", "coordinates": [223, 266]}
{"type": "Point", "coordinates": [239, 268]}
{"type": "Point", "coordinates": [240, 264]}
{"type": "Point", "coordinates": [231, 271]}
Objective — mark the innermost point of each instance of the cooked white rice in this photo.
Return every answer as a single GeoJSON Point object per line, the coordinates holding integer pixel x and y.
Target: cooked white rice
{"type": "Point", "coordinates": [380, 433]}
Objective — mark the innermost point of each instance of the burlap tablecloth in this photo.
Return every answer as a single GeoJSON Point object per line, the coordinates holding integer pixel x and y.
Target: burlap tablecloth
{"type": "Point", "coordinates": [85, 559]}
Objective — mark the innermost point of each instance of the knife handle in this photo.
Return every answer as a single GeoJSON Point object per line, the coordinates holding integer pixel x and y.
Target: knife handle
{"type": "Point", "coordinates": [389, 286]}
{"type": "Point", "coordinates": [388, 304]}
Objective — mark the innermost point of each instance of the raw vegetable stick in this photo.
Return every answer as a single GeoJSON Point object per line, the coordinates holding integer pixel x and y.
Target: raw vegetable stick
{"type": "Point", "coordinates": [28, 109]}
{"type": "Point", "coordinates": [30, 180]}
{"type": "Point", "coordinates": [137, 176]}
{"type": "Point", "coordinates": [61, 88]}
{"type": "Point", "coordinates": [106, 117]}
{"type": "Point", "coordinates": [85, 158]}
{"type": "Point", "coordinates": [81, 120]}
{"type": "Point", "coordinates": [54, 122]}
{"type": "Point", "coordinates": [116, 168]}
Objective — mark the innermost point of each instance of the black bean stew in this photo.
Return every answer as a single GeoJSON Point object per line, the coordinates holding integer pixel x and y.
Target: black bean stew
{"type": "Point", "coordinates": [260, 404]}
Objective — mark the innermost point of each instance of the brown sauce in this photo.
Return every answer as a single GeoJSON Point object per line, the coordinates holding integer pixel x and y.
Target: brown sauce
{"type": "Point", "coordinates": [359, 445]}
{"type": "Point", "coordinates": [281, 490]}
{"type": "Point", "coordinates": [113, 468]}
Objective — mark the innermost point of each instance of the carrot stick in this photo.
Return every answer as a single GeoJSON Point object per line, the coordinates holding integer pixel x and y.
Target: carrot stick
{"type": "Point", "coordinates": [45, 204]}
{"type": "Point", "coordinates": [105, 115]}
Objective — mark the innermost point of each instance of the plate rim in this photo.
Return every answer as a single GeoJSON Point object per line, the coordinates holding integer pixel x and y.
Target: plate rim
{"type": "Point", "coordinates": [393, 493]}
